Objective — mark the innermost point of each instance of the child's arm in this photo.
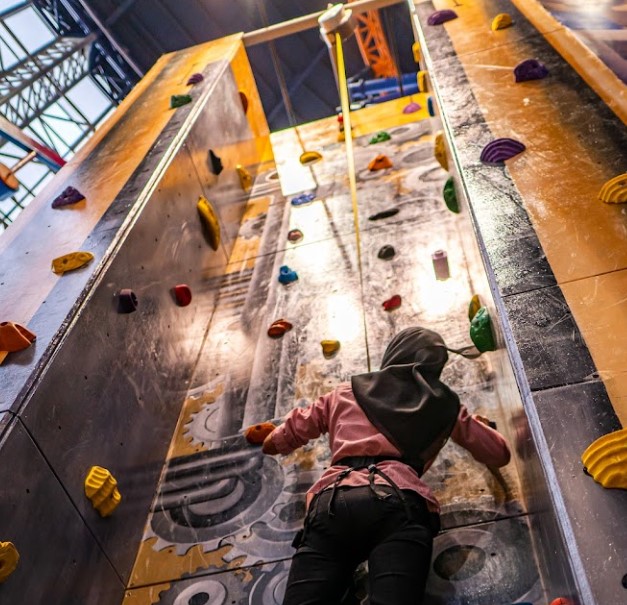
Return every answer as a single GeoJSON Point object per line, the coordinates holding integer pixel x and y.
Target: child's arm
{"type": "Point", "coordinates": [301, 425]}
{"type": "Point", "coordinates": [484, 443]}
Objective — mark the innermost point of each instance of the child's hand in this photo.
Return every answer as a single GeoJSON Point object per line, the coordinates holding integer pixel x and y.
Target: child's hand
{"type": "Point", "coordinates": [269, 447]}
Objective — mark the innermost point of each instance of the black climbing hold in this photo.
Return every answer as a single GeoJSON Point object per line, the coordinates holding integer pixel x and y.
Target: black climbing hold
{"type": "Point", "coordinates": [244, 101]}
{"type": "Point", "coordinates": [383, 214]}
{"type": "Point", "coordinates": [215, 163]}
{"type": "Point", "coordinates": [127, 301]}
{"type": "Point", "coordinates": [624, 581]}
{"type": "Point", "coordinates": [386, 252]}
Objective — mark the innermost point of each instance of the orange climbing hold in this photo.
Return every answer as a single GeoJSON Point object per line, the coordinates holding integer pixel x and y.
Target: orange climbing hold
{"type": "Point", "coordinates": [14, 337]}
{"type": "Point", "coordinates": [381, 162]}
{"type": "Point", "coordinates": [256, 434]}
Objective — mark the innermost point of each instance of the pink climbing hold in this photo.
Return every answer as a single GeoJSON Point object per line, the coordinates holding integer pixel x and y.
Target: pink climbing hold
{"type": "Point", "coordinates": [499, 150]}
{"type": "Point", "coordinates": [411, 107]}
{"type": "Point", "coordinates": [439, 17]}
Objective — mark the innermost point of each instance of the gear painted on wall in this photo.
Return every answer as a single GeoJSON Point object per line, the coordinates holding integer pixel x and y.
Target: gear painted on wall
{"type": "Point", "coordinates": [272, 534]}
{"type": "Point", "coordinates": [486, 564]}
{"type": "Point", "coordinates": [219, 589]}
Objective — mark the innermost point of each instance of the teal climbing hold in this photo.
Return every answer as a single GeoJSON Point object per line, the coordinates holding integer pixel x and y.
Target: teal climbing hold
{"type": "Point", "coordinates": [431, 106]}
{"type": "Point", "coordinates": [450, 195]}
{"type": "Point", "coordinates": [481, 331]}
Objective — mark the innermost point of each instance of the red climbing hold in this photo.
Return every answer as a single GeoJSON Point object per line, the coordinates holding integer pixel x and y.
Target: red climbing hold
{"type": "Point", "coordinates": [182, 294]}
{"type": "Point", "coordinates": [392, 303]}
{"type": "Point", "coordinates": [278, 328]}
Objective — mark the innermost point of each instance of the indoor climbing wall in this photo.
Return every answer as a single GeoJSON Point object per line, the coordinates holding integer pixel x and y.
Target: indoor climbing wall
{"type": "Point", "coordinates": [117, 338]}
{"type": "Point", "coordinates": [225, 515]}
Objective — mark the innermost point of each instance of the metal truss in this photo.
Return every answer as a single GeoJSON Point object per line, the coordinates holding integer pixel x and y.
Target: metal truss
{"type": "Point", "coordinates": [373, 45]}
{"type": "Point", "coordinates": [33, 85]}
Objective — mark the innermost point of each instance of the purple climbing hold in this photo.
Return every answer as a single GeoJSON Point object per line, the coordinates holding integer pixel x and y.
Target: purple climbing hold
{"type": "Point", "coordinates": [499, 150]}
{"type": "Point", "coordinates": [442, 16]}
{"type": "Point", "coordinates": [411, 107]}
{"type": "Point", "coordinates": [531, 69]}
{"type": "Point", "coordinates": [67, 197]}
{"type": "Point", "coordinates": [303, 198]}
{"type": "Point", "coordinates": [195, 79]}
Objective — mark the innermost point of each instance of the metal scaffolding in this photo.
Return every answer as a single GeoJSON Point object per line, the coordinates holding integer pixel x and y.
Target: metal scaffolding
{"type": "Point", "coordinates": [57, 88]}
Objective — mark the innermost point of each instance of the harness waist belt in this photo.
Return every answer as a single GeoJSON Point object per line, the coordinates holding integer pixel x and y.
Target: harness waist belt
{"type": "Point", "coordinates": [363, 461]}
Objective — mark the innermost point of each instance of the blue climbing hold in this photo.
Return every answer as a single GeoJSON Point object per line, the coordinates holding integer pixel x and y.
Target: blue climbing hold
{"type": "Point", "coordinates": [303, 198]}
{"type": "Point", "coordinates": [431, 107]}
{"type": "Point", "coordinates": [287, 275]}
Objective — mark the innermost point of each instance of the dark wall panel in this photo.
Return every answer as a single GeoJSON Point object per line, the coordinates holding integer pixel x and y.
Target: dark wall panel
{"type": "Point", "coordinates": [56, 549]}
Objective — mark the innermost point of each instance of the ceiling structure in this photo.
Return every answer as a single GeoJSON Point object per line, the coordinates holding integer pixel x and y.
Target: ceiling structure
{"type": "Point", "coordinates": [145, 29]}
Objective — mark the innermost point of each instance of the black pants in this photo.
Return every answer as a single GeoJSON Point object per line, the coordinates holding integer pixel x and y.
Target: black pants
{"type": "Point", "coordinates": [363, 527]}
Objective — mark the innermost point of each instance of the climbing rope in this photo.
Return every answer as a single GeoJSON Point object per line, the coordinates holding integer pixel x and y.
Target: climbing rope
{"type": "Point", "coordinates": [350, 156]}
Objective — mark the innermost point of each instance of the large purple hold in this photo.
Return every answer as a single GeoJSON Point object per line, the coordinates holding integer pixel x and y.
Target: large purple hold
{"type": "Point", "coordinates": [195, 79]}
{"type": "Point", "coordinates": [499, 150]}
{"type": "Point", "coordinates": [67, 197]}
{"type": "Point", "coordinates": [530, 69]}
{"type": "Point", "coordinates": [442, 16]}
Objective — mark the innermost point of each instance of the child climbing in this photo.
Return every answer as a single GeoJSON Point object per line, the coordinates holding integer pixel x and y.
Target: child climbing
{"type": "Point", "coordinates": [385, 428]}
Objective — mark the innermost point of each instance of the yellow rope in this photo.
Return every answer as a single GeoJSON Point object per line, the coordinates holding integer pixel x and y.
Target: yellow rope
{"type": "Point", "coordinates": [350, 156]}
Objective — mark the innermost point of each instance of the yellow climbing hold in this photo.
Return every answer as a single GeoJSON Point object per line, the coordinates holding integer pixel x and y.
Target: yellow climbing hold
{"type": "Point", "coordinates": [330, 347]}
{"type": "Point", "coordinates": [310, 157]}
{"type": "Point", "coordinates": [474, 306]}
{"type": "Point", "coordinates": [439, 151]}
{"type": "Point", "coordinates": [71, 261]}
{"type": "Point", "coordinates": [9, 558]}
{"type": "Point", "coordinates": [102, 489]}
{"type": "Point", "coordinates": [606, 460]}
{"type": "Point", "coordinates": [245, 178]}
{"type": "Point", "coordinates": [615, 190]}
{"type": "Point", "coordinates": [415, 48]}
{"type": "Point", "coordinates": [421, 77]}
{"type": "Point", "coordinates": [210, 220]}
{"type": "Point", "coordinates": [501, 21]}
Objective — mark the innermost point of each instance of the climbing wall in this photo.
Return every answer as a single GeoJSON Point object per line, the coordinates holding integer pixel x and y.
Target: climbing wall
{"type": "Point", "coordinates": [224, 516]}
{"type": "Point", "coordinates": [104, 381]}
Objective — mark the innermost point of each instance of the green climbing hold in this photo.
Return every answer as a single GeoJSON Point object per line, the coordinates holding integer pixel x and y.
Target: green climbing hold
{"type": "Point", "coordinates": [450, 195]}
{"type": "Point", "coordinates": [481, 331]}
{"type": "Point", "coordinates": [380, 137]}
{"type": "Point", "coordinates": [179, 101]}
